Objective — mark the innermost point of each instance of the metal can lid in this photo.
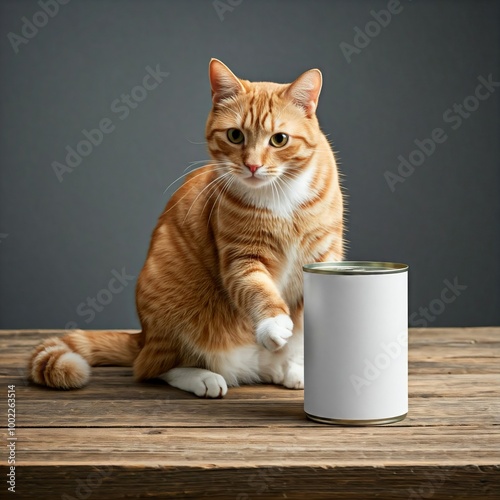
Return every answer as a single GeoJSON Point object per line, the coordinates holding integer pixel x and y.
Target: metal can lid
{"type": "Point", "coordinates": [355, 267]}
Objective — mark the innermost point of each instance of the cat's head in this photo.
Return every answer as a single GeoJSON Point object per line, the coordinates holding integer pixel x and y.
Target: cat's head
{"type": "Point", "coordinates": [258, 132]}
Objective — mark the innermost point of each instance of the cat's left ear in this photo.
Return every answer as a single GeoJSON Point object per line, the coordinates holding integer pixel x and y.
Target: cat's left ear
{"type": "Point", "coordinates": [223, 82]}
{"type": "Point", "coordinates": [305, 91]}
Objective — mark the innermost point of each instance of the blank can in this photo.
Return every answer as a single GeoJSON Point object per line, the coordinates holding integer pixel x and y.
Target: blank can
{"type": "Point", "coordinates": [356, 342]}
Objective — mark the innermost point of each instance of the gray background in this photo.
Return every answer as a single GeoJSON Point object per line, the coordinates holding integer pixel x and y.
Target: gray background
{"type": "Point", "coordinates": [65, 238]}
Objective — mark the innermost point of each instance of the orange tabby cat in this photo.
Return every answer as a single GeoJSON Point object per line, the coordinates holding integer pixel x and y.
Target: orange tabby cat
{"type": "Point", "coordinates": [220, 295]}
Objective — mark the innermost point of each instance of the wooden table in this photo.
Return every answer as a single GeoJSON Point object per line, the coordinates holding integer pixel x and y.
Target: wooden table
{"type": "Point", "coordinates": [121, 439]}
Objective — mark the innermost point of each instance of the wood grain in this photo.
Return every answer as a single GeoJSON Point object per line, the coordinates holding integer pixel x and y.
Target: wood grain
{"type": "Point", "coordinates": [262, 483]}
{"type": "Point", "coordinates": [117, 383]}
{"type": "Point", "coordinates": [165, 412]}
{"type": "Point", "coordinates": [117, 438]}
{"type": "Point", "coordinates": [324, 446]}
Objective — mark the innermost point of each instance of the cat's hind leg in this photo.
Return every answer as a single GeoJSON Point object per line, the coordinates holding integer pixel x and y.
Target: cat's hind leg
{"type": "Point", "coordinates": [203, 383]}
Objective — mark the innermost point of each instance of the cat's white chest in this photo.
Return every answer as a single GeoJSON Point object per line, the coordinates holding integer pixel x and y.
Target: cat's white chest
{"type": "Point", "coordinates": [281, 197]}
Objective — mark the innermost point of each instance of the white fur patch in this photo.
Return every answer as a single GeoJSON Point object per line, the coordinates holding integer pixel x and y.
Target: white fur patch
{"type": "Point", "coordinates": [203, 383]}
{"type": "Point", "coordinates": [283, 199]}
{"type": "Point", "coordinates": [273, 333]}
{"type": "Point", "coordinates": [239, 366]}
{"type": "Point", "coordinates": [294, 376]}
{"type": "Point", "coordinates": [78, 370]}
{"type": "Point", "coordinates": [249, 364]}
{"type": "Point", "coordinates": [254, 363]}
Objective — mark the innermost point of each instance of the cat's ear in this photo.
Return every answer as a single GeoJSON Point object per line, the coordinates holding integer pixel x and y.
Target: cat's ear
{"type": "Point", "coordinates": [223, 81]}
{"type": "Point", "coordinates": [304, 91]}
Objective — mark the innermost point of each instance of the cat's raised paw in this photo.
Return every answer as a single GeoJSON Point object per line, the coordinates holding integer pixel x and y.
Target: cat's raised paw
{"type": "Point", "coordinates": [273, 333]}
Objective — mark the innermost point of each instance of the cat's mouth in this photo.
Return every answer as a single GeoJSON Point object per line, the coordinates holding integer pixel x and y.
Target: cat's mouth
{"type": "Point", "coordinates": [255, 181]}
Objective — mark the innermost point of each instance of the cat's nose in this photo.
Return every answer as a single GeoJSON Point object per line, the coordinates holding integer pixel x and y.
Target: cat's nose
{"type": "Point", "coordinates": [252, 168]}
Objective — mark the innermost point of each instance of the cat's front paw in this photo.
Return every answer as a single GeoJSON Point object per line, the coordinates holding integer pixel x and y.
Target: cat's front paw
{"type": "Point", "coordinates": [210, 385]}
{"type": "Point", "coordinates": [294, 377]}
{"type": "Point", "coordinates": [272, 333]}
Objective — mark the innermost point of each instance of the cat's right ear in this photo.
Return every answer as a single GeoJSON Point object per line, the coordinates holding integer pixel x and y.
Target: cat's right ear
{"type": "Point", "coordinates": [223, 81]}
{"type": "Point", "coordinates": [305, 91]}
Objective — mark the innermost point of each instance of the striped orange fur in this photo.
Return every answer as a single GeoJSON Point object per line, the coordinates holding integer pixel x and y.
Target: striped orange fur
{"type": "Point", "coordinates": [220, 295]}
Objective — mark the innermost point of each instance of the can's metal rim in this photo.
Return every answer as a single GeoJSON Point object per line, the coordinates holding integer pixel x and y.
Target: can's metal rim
{"type": "Point", "coordinates": [338, 421]}
{"type": "Point", "coordinates": [354, 267]}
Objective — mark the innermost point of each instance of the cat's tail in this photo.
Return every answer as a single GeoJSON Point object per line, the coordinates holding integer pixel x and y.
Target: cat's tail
{"type": "Point", "coordinates": [64, 362]}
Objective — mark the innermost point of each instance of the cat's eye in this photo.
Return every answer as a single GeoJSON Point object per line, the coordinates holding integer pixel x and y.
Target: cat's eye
{"type": "Point", "coordinates": [278, 140]}
{"type": "Point", "coordinates": [235, 136]}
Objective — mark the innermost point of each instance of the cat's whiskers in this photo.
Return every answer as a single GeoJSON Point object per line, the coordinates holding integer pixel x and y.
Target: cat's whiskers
{"type": "Point", "coordinates": [193, 178]}
{"type": "Point", "coordinates": [287, 178]}
{"type": "Point", "coordinates": [200, 193]}
{"type": "Point", "coordinates": [224, 190]}
{"type": "Point", "coordinates": [288, 182]}
{"type": "Point", "coordinates": [270, 184]}
{"type": "Point", "coordinates": [193, 142]}
{"type": "Point", "coordinates": [281, 179]}
{"type": "Point", "coordinates": [291, 175]}
{"type": "Point", "coordinates": [215, 202]}
{"type": "Point", "coordinates": [272, 191]}
{"type": "Point", "coordinates": [213, 190]}
{"type": "Point", "coordinates": [278, 184]}
{"type": "Point", "coordinates": [217, 167]}
{"type": "Point", "coordinates": [208, 162]}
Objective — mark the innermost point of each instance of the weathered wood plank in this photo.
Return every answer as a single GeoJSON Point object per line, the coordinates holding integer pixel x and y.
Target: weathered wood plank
{"type": "Point", "coordinates": [453, 367]}
{"type": "Point", "coordinates": [263, 483]}
{"type": "Point", "coordinates": [457, 385]}
{"type": "Point", "coordinates": [163, 412]}
{"type": "Point", "coordinates": [229, 447]}
{"type": "Point", "coordinates": [117, 383]}
{"type": "Point", "coordinates": [161, 442]}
